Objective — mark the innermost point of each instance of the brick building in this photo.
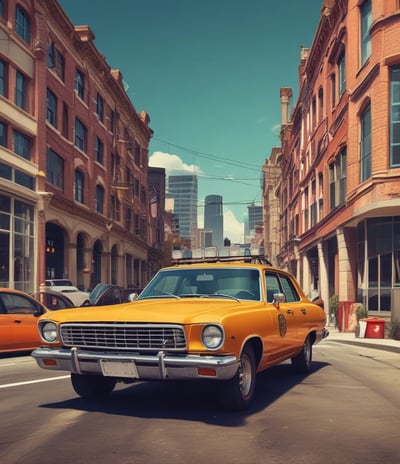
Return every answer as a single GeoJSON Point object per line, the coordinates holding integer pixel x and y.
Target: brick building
{"type": "Point", "coordinates": [339, 189]}
{"type": "Point", "coordinates": [74, 194]}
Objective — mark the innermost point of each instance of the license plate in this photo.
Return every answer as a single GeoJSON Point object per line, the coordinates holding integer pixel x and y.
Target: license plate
{"type": "Point", "coordinates": [119, 369]}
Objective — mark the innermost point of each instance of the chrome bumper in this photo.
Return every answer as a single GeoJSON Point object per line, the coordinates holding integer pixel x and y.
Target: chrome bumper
{"type": "Point", "coordinates": [148, 367]}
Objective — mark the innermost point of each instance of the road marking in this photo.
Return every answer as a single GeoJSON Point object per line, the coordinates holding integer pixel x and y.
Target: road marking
{"type": "Point", "coordinates": [28, 382]}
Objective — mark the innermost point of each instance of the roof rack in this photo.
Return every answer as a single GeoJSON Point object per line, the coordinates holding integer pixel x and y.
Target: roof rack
{"type": "Point", "coordinates": [252, 254]}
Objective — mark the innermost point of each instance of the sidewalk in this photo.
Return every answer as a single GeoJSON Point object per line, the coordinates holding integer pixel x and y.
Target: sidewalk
{"type": "Point", "coordinates": [349, 338]}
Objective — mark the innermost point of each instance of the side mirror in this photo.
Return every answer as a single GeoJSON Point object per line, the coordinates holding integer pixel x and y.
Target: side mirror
{"type": "Point", "coordinates": [132, 297]}
{"type": "Point", "coordinates": [278, 299]}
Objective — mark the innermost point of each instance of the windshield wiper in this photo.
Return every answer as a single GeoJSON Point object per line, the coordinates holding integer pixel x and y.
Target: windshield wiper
{"type": "Point", "coordinates": [220, 295]}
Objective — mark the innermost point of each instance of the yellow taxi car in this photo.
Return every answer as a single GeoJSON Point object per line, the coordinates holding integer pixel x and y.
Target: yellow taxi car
{"type": "Point", "coordinates": [19, 314]}
{"type": "Point", "coordinates": [224, 318]}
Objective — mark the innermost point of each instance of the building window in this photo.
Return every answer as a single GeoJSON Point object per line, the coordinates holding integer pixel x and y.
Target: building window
{"type": "Point", "coordinates": [342, 74]}
{"type": "Point", "coordinates": [137, 155]}
{"type": "Point", "coordinates": [115, 208]}
{"type": "Point", "coordinates": [3, 134]}
{"type": "Point", "coordinates": [365, 145]}
{"type": "Point", "coordinates": [55, 169]}
{"type": "Point", "coordinates": [79, 186]}
{"type": "Point", "coordinates": [333, 90]}
{"type": "Point", "coordinates": [99, 151]}
{"type": "Point", "coordinates": [100, 107]}
{"type": "Point", "coordinates": [366, 20]}
{"type": "Point", "coordinates": [395, 117]}
{"type": "Point", "coordinates": [65, 121]}
{"type": "Point", "coordinates": [21, 91]}
{"type": "Point", "coordinates": [3, 78]}
{"type": "Point", "coordinates": [99, 199]}
{"type": "Point", "coordinates": [337, 180]}
{"type": "Point", "coordinates": [22, 24]}
{"type": "Point", "coordinates": [22, 145]}
{"type": "Point", "coordinates": [51, 108]}
{"type": "Point", "coordinates": [80, 135]}
{"type": "Point", "coordinates": [80, 84]}
{"type": "Point", "coordinates": [2, 9]}
{"type": "Point", "coordinates": [56, 61]}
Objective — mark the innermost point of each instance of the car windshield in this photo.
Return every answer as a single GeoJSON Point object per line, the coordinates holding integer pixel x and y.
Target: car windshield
{"type": "Point", "coordinates": [239, 283]}
{"type": "Point", "coordinates": [60, 283]}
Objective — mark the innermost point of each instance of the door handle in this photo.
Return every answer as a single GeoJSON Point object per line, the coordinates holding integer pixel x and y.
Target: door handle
{"type": "Point", "coordinates": [290, 311]}
{"type": "Point", "coordinates": [304, 311]}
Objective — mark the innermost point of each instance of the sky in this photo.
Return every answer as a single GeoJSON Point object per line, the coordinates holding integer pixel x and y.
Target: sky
{"type": "Point", "coordinates": [208, 73]}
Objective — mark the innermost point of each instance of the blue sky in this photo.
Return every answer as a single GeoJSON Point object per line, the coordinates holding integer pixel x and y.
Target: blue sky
{"type": "Point", "coordinates": [208, 72]}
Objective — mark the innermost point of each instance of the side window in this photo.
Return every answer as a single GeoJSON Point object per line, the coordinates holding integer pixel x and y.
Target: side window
{"type": "Point", "coordinates": [17, 304]}
{"type": "Point", "coordinates": [272, 284]}
{"type": "Point", "coordinates": [289, 289]}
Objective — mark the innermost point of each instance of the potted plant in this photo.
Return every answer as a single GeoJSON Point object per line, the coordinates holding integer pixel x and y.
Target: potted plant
{"type": "Point", "coordinates": [361, 313]}
{"type": "Point", "coordinates": [333, 309]}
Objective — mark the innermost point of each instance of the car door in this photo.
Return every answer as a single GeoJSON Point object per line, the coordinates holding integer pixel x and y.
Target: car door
{"type": "Point", "coordinates": [18, 322]}
{"type": "Point", "coordinates": [288, 313]}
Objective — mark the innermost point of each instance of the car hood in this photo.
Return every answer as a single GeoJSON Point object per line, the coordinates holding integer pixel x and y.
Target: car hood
{"type": "Point", "coordinates": [165, 310]}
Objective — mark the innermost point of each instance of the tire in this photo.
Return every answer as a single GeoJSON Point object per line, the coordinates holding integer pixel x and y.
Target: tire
{"type": "Point", "coordinates": [92, 386]}
{"type": "Point", "coordinates": [237, 393]}
{"type": "Point", "coordinates": [302, 362]}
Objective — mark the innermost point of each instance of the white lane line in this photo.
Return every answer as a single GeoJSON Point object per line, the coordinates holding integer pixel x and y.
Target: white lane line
{"type": "Point", "coordinates": [27, 382]}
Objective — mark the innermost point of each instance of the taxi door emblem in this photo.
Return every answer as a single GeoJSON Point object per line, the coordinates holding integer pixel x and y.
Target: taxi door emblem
{"type": "Point", "coordinates": [282, 325]}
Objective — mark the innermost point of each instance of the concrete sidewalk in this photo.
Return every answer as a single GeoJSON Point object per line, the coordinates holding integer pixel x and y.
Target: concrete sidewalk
{"type": "Point", "coordinates": [349, 338]}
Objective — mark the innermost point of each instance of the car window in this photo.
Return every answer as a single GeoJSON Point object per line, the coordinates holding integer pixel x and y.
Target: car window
{"type": "Point", "coordinates": [288, 289]}
{"type": "Point", "coordinates": [236, 282]}
{"type": "Point", "coordinates": [18, 304]}
{"type": "Point", "coordinates": [272, 284]}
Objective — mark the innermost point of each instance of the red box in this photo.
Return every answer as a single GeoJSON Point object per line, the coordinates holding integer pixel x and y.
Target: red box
{"type": "Point", "coordinates": [375, 327]}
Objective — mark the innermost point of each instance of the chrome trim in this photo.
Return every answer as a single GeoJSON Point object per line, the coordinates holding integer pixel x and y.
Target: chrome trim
{"type": "Point", "coordinates": [160, 366]}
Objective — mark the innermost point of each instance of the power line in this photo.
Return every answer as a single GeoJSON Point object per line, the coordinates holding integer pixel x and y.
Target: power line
{"type": "Point", "coordinates": [251, 167]}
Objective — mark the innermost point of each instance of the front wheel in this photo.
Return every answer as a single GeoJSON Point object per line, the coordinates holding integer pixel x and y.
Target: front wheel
{"type": "Point", "coordinates": [92, 386]}
{"type": "Point", "coordinates": [238, 393]}
{"type": "Point", "coordinates": [302, 362]}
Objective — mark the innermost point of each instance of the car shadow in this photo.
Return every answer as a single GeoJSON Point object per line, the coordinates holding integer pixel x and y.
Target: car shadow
{"type": "Point", "coordinates": [189, 400]}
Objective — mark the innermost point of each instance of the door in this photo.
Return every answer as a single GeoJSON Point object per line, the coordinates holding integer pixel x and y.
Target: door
{"type": "Point", "coordinates": [18, 322]}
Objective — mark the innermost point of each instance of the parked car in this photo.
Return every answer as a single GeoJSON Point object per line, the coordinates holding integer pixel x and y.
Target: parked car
{"type": "Point", "coordinates": [66, 287]}
{"type": "Point", "coordinates": [53, 300]}
{"type": "Point", "coordinates": [19, 314]}
{"type": "Point", "coordinates": [216, 318]}
{"type": "Point", "coordinates": [109, 294]}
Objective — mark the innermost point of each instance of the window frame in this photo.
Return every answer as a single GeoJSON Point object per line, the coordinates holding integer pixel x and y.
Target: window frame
{"type": "Point", "coordinates": [394, 123]}
{"type": "Point", "coordinates": [51, 113]}
{"type": "Point", "coordinates": [365, 143]}
{"type": "Point", "coordinates": [23, 24]}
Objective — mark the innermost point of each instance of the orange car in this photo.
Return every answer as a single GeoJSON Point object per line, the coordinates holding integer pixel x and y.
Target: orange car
{"type": "Point", "coordinates": [19, 314]}
{"type": "Point", "coordinates": [219, 318]}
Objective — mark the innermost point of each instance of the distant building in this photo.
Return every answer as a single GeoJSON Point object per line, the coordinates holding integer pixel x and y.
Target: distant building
{"type": "Point", "coordinates": [184, 190]}
{"type": "Point", "coordinates": [214, 219]}
{"type": "Point", "coordinates": [255, 218]}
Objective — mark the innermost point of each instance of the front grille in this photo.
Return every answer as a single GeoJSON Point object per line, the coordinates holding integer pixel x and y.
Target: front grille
{"type": "Point", "coordinates": [124, 336]}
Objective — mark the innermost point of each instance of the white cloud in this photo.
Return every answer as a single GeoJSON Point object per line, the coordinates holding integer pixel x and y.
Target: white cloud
{"type": "Point", "coordinates": [233, 229]}
{"type": "Point", "coordinates": [172, 163]}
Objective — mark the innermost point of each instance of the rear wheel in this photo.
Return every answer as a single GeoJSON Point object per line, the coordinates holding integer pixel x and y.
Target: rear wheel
{"type": "Point", "coordinates": [92, 386]}
{"type": "Point", "coordinates": [302, 362]}
{"type": "Point", "coordinates": [238, 393]}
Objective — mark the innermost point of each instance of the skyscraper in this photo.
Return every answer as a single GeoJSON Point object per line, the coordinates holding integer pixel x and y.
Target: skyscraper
{"type": "Point", "coordinates": [183, 189]}
{"type": "Point", "coordinates": [214, 219]}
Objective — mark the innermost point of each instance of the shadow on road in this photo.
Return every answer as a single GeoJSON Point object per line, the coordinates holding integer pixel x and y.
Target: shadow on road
{"type": "Point", "coordinates": [189, 400]}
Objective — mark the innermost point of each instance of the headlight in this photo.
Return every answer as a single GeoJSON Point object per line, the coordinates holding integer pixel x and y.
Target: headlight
{"type": "Point", "coordinates": [48, 331]}
{"type": "Point", "coordinates": [212, 337]}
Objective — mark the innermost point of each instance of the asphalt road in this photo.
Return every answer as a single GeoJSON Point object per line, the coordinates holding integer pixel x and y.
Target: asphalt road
{"type": "Point", "coordinates": [346, 411]}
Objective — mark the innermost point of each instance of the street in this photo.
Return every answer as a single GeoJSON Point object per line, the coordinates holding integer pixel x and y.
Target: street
{"type": "Point", "coordinates": [346, 411]}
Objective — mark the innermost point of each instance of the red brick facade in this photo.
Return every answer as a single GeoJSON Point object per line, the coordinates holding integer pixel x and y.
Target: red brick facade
{"type": "Point", "coordinates": [87, 193]}
{"type": "Point", "coordinates": [339, 190]}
